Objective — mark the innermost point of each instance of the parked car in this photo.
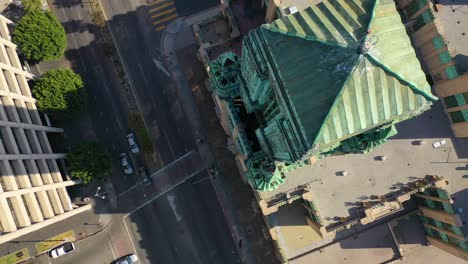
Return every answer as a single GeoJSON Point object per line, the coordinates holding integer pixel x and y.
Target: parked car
{"type": "Point", "coordinates": [127, 168]}
{"type": "Point", "coordinates": [62, 249]}
{"type": "Point", "coordinates": [145, 179]}
{"type": "Point", "coordinates": [129, 259]}
{"type": "Point", "coordinates": [132, 142]}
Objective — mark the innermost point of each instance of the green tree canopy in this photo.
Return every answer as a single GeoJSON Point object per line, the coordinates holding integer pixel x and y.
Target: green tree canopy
{"type": "Point", "coordinates": [90, 161]}
{"type": "Point", "coordinates": [32, 5]}
{"type": "Point", "coordinates": [60, 90]}
{"type": "Point", "coordinates": [40, 36]}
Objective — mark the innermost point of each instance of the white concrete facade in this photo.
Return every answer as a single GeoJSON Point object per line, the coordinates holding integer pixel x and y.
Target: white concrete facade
{"type": "Point", "coordinates": [32, 190]}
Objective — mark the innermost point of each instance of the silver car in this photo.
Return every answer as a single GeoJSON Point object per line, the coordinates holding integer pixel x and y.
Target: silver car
{"type": "Point", "coordinates": [132, 142]}
{"type": "Point", "coordinates": [127, 168]}
{"type": "Point", "coordinates": [61, 250]}
{"type": "Point", "coordinates": [132, 258]}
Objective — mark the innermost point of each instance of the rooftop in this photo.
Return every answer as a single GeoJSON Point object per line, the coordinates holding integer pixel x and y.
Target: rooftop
{"type": "Point", "coordinates": [299, 4]}
{"type": "Point", "coordinates": [377, 246]}
{"type": "Point", "coordinates": [336, 196]}
{"type": "Point", "coordinates": [453, 15]}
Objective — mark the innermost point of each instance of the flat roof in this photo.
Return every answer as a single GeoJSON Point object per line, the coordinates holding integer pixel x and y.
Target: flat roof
{"type": "Point", "coordinates": [377, 246]}
{"type": "Point", "coordinates": [337, 196]}
{"type": "Point", "coordinates": [453, 15]}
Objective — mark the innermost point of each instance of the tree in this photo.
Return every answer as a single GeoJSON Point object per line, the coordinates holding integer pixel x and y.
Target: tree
{"type": "Point", "coordinates": [90, 161]}
{"type": "Point", "coordinates": [40, 36]}
{"type": "Point", "coordinates": [60, 90]}
{"type": "Point", "coordinates": [32, 5]}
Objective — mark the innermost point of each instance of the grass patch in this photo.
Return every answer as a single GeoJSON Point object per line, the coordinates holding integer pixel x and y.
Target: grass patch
{"type": "Point", "coordinates": [55, 241]}
{"type": "Point", "coordinates": [15, 257]}
{"type": "Point", "coordinates": [136, 123]}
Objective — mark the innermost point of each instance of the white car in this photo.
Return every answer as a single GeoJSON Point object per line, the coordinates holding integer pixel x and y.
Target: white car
{"type": "Point", "coordinates": [62, 250]}
{"type": "Point", "coordinates": [127, 259]}
{"type": "Point", "coordinates": [132, 142]}
{"type": "Point", "coordinates": [127, 168]}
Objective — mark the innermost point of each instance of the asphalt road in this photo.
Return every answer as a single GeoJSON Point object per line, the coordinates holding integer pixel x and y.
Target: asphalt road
{"type": "Point", "coordinates": [187, 224]}
{"type": "Point", "coordinates": [183, 227]}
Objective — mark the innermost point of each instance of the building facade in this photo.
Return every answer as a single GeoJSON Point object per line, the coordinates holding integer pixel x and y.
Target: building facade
{"type": "Point", "coordinates": [32, 187]}
{"type": "Point", "coordinates": [449, 82]}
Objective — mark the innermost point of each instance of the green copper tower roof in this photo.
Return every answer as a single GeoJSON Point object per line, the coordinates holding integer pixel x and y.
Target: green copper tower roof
{"type": "Point", "coordinates": [344, 67]}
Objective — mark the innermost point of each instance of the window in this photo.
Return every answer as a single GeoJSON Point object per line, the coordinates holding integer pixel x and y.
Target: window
{"type": "Point", "coordinates": [450, 101]}
{"type": "Point", "coordinates": [457, 116]}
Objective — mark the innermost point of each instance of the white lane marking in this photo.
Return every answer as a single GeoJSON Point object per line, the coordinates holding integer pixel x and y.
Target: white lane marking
{"type": "Point", "coordinates": [73, 37]}
{"type": "Point", "coordinates": [111, 246]}
{"type": "Point", "coordinates": [164, 192]}
{"type": "Point", "coordinates": [171, 200]}
{"type": "Point", "coordinates": [172, 163]}
{"type": "Point", "coordinates": [132, 88]}
{"type": "Point", "coordinates": [129, 236]}
{"type": "Point", "coordinates": [129, 189]}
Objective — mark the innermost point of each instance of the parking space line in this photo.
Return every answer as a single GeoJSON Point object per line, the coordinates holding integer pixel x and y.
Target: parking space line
{"type": "Point", "coordinates": [159, 29]}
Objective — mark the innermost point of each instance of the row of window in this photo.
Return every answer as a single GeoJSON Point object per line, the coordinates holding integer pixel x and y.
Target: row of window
{"type": "Point", "coordinates": [459, 116]}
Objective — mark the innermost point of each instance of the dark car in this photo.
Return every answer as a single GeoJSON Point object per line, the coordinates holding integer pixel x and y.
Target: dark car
{"type": "Point", "coordinates": [145, 179]}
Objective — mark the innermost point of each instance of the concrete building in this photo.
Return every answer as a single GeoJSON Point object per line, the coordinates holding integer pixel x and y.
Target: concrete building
{"type": "Point", "coordinates": [312, 107]}
{"type": "Point", "coordinates": [32, 188]}
{"type": "Point", "coordinates": [444, 52]}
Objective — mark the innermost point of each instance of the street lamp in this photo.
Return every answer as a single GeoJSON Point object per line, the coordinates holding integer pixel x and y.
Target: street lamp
{"type": "Point", "coordinates": [100, 195]}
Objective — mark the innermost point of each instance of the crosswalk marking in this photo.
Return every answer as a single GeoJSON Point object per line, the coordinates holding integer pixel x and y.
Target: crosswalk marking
{"type": "Point", "coordinates": [156, 2]}
{"type": "Point", "coordinates": [163, 13]}
{"type": "Point", "coordinates": [165, 19]}
{"type": "Point", "coordinates": [161, 7]}
{"type": "Point", "coordinates": [160, 28]}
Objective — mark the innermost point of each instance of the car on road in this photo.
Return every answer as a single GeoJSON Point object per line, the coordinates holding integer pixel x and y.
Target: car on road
{"type": "Point", "coordinates": [145, 179]}
{"type": "Point", "coordinates": [132, 142]}
{"type": "Point", "coordinates": [129, 259]}
{"type": "Point", "coordinates": [124, 162]}
{"type": "Point", "coordinates": [61, 250]}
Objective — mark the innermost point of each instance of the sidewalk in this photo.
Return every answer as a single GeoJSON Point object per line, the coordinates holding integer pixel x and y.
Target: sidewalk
{"type": "Point", "coordinates": [235, 197]}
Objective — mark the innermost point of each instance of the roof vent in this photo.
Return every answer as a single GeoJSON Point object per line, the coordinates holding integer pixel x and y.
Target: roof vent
{"type": "Point", "coordinates": [290, 10]}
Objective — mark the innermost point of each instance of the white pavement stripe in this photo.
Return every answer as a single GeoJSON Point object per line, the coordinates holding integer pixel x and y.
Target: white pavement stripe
{"type": "Point", "coordinates": [130, 237]}
{"type": "Point", "coordinates": [129, 189]}
{"type": "Point", "coordinates": [172, 163]}
{"type": "Point", "coordinates": [164, 192]}
{"type": "Point", "coordinates": [111, 246]}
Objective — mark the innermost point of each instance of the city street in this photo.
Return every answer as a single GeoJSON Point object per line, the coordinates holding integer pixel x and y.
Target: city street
{"type": "Point", "coordinates": [178, 219]}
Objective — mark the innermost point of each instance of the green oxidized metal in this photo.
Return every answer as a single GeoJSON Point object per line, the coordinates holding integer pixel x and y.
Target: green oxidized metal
{"type": "Point", "coordinates": [332, 78]}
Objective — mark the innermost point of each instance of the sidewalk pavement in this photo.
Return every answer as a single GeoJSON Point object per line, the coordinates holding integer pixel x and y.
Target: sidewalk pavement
{"type": "Point", "coordinates": [234, 196]}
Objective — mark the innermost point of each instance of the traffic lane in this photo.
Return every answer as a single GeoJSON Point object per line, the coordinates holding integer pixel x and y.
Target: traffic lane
{"type": "Point", "coordinates": [190, 7]}
{"type": "Point", "coordinates": [148, 88]}
{"type": "Point", "coordinates": [185, 225]}
{"type": "Point", "coordinates": [149, 83]}
{"type": "Point", "coordinates": [105, 98]}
